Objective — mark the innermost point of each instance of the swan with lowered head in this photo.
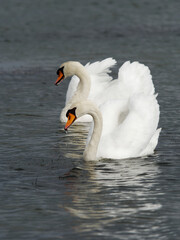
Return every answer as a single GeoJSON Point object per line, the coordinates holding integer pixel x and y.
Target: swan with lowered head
{"type": "Point", "coordinates": [119, 130]}
{"type": "Point", "coordinates": [94, 83]}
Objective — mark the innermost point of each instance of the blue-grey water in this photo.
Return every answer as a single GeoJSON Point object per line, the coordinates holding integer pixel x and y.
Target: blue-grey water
{"type": "Point", "coordinates": [47, 190]}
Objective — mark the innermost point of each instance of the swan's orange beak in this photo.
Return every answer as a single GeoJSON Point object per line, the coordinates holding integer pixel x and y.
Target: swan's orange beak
{"type": "Point", "coordinates": [71, 119]}
{"type": "Point", "coordinates": [60, 78]}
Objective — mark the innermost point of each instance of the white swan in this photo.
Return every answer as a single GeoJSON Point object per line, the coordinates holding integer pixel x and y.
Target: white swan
{"type": "Point", "coordinates": [88, 81]}
{"type": "Point", "coordinates": [120, 130]}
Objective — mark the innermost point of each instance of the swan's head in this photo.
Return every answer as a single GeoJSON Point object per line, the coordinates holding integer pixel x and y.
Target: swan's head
{"type": "Point", "coordinates": [76, 111]}
{"type": "Point", "coordinates": [67, 69]}
{"type": "Point", "coordinates": [71, 116]}
{"type": "Point", "coordinates": [79, 109]}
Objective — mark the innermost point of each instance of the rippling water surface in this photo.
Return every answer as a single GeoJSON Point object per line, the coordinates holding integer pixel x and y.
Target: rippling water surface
{"type": "Point", "coordinates": [47, 190]}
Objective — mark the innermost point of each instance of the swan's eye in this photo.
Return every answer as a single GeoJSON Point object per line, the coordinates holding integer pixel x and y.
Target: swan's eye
{"type": "Point", "coordinates": [73, 111]}
{"type": "Point", "coordinates": [67, 114]}
{"type": "Point", "coordinates": [60, 74]}
{"type": "Point", "coordinates": [60, 70]}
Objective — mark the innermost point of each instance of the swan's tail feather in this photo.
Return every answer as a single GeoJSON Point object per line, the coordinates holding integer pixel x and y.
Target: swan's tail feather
{"type": "Point", "coordinates": [136, 77]}
{"type": "Point", "coordinates": [152, 144]}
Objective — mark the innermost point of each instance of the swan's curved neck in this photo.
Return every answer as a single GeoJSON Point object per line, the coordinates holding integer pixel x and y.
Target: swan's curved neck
{"type": "Point", "coordinates": [90, 152]}
{"type": "Point", "coordinates": [84, 85]}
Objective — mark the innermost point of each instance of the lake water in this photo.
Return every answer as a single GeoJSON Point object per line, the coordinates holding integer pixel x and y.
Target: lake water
{"type": "Point", "coordinates": [47, 190]}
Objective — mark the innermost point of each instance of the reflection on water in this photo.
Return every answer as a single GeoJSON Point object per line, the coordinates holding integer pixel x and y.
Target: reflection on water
{"type": "Point", "coordinates": [110, 191]}
{"type": "Point", "coordinates": [75, 140]}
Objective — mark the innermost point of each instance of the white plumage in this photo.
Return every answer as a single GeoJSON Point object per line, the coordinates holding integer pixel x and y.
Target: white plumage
{"type": "Point", "coordinates": [125, 111]}
{"type": "Point", "coordinates": [121, 130]}
{"type": "Point", "coordinates": [95, 84]}
{"type": "Point", "coordinates": [131, 131]}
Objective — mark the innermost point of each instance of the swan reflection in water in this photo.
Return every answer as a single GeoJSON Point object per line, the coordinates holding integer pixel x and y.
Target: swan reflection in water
{"type": "Point", "coordinates": [109, 191]}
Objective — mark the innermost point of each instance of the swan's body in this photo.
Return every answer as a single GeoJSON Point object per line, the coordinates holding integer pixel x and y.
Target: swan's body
{"type": "Point", "coordinates": [92, 82]}
{"type": "Point", "coordinates": [125, 111]}
{"type": "Point", "coordinates": [129, 130]}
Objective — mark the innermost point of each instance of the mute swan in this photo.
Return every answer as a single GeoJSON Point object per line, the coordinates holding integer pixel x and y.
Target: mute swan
{"type": "Point", "coordinates": [121, 129]}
